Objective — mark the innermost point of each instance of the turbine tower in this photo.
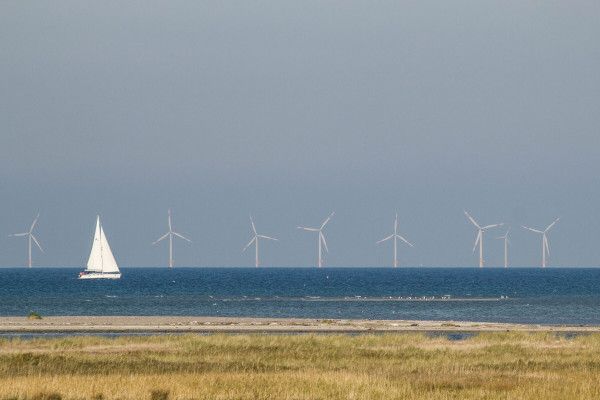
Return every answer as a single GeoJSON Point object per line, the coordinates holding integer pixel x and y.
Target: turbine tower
{"type": "Point", "coordinates": [321, 237]}
{"type": "Point", "coordinates": [396, 237]}
{"type": "Point", "coordinates": [170, 235]}
{"type": "Point", "coordinates": [506, 243]}
{"type": "Point", "coordinates": [480, 236]}
{"type": "Point", "coordinates": [31, 237]}
{"type": "Point", "coordinates": [255, 240]}
{"type": "Point", "coordinates": [545, 248]}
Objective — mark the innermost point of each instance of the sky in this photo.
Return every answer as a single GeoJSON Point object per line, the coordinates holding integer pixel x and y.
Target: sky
{"type": "Point", "coordinates": [291, 110]}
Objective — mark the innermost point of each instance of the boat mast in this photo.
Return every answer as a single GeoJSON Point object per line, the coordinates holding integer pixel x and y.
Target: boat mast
{"type": "Point", "coordinates": [100, 238]}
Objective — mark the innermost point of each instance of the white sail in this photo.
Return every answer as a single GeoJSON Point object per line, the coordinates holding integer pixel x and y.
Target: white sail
{"type": "Point", "coordinates": [108, 260]}
{"type": "Point", "coordinates": [95, 261]}
{"type": "Point", "coordinates": [101, 257]}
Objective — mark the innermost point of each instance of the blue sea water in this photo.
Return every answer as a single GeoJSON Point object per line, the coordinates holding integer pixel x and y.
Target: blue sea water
{"type": "Point", "coordinates": [534, 296]}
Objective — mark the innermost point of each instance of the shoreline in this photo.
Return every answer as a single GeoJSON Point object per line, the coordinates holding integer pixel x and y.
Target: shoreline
{"type": "Point", "coordinates": [195, 324]}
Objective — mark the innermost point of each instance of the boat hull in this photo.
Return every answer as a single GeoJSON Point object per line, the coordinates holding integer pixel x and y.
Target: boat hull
{"type": "Point", "coordinates": [98, 275]}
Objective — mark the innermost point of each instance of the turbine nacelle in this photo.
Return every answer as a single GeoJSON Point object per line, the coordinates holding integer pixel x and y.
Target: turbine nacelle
{"type": "Point", "coordinates": [505, 237]}
{"type": "Point", "coordinates": [479, 239]}
{"type": "Point", "coordinates": [395, 236]}
{"type": "Point", "coordinates": [545, 246]}
{"type": "Point", "coordinates": [321, 236]}
{"type": "Point", "coordinates": [170, 234]}
{"type": "Point", "coordinates": [255, 240]}
{"type": "Point", "coordinates": [506, 243]}
{"type": "Point", "coordinates": [31, 238]}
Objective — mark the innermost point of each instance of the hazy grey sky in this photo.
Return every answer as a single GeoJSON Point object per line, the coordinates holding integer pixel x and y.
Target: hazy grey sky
{"type": "Point", "coordinates": [291, 110]}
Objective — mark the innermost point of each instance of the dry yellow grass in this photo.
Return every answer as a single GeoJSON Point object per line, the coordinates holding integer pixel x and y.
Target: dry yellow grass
{"type": "Point", "coordinates": [409, 366]}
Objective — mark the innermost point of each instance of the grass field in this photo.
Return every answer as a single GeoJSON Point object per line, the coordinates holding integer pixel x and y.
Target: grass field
{"type": "Point", "coordinates": [512, 365]}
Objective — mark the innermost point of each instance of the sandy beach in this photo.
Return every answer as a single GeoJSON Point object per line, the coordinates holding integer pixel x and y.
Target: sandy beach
{"type": "Point", "coordinates": [171, 324]}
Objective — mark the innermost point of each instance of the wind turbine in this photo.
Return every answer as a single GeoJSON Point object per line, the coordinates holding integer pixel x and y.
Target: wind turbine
{"type": "Point", "coordinates": [30, 234]}
{"type": "Point", "coordinates": [480, 236]}
{"type": "Point", "coordinates": [255, 240]}
{"type": "Point", "coordinates": [170, 235]}
{"type": "Point", "coordinates": [545, 248]}
{"type": "Point", "coordinates": [506, 243]}
{"type": "Point", "coordinates": [321, 237]}
{"type": "Point", "coordinates": [396, 237]}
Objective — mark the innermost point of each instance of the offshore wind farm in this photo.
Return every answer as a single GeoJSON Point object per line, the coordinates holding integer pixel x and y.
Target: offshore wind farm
{"type": "Point", "coordinates": [321, 240]}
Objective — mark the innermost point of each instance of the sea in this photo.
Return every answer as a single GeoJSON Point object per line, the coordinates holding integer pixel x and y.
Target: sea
{"type": "Point", "coordinates": [552, 296]}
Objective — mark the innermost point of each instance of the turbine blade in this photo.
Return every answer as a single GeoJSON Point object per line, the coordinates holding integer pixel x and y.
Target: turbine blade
{"type": "Point", "coordinates": [327, 220]}
{"type": "Point", "coordinates": [308, 229]}
{"type": "Point", "coordinates": [161, 238]}
{"type": "Point", "coordinates": [267, 237]}
{"type": "Point", "coordinates": [248, 245]}
{"type": "Point", "coordinates": [253, 227]}
{"type": "Point", "coordinates": [20, 234]}
{"type": "Point", "coordinates": [324, 242]}
{"type": "Point", "coordinates": [546, 243]}
{"type": "Point", "coordinates": [34, 221]}
{"type": "Point", "coordinates": [552, 224]}
{"type": "Point", "coordinates": [531, 229]}
{"type": "Point", "coordinates": [36, 242]}
{"type": "Point", "coordinates": [170, 229]}
{"type": "Point", "coordinates": [181, 236]}
{"type": "Point", "coordinates": [477, 241]}
{"type": "Point", "coordinates": [493, 226]}
{"type": "Point", "coordinates": [471, 219]}
{"type": "Point", "coordinates": [384, 239]}
{"type": "Point", "coordinates": [396, 224]}
{"type": "Point", "coordinates": [405, 241]}
{"type": "Point", "coordinates": [508, 241]}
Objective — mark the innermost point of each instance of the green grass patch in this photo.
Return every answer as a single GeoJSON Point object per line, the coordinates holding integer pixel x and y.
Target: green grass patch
{"type": "Point", "coordinates": [505, 365]}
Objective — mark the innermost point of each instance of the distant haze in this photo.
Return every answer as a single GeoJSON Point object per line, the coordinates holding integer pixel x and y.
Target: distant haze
{"type": "Point", "coordinates": [289, 110]}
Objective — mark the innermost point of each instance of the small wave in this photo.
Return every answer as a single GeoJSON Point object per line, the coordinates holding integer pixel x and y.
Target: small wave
{"type": "Point", "coordinates": [365, 299]}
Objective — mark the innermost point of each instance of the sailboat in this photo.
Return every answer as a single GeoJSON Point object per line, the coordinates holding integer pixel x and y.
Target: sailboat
{"type": "Point", "coordinates": [101, 264]}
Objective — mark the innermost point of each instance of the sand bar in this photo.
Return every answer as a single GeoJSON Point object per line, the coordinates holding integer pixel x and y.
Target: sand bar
{"type": "Point", "coordinates": [173, 324]}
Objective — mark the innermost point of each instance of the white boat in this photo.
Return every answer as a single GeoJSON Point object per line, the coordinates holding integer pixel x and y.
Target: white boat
{"type": "Point", "coordinates": [102, 264]}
